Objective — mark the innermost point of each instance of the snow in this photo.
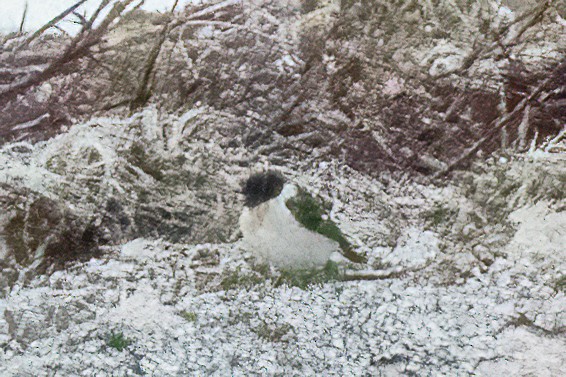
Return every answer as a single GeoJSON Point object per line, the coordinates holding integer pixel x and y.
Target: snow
{"type": "Point", "coordinates": [393, 86]}
{"type": "Point", "coordinates": [540, 228]}
{"type": "Point", "coordinates": [31, 123]}
{"type": "Point", "coordinates": [352, 329]}
{"type": "Point", "coordinates": [535, 356]}
{"type": "Point", "coordinates": [136, 248]}
{"type": "Point", "coordinates": [415, 248]}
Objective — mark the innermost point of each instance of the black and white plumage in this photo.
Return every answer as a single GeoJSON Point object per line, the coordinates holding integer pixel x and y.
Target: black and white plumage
{"type": "Point", "coordinates": [281, 223]}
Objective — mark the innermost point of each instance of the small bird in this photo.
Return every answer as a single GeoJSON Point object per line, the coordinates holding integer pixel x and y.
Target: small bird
{"type": "Point", "coordinates": [285, 225]}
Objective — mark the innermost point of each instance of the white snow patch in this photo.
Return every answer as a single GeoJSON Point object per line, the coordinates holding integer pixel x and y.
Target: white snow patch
{"type": "Point", "coordinates": [31, 123]}
{"type": "Point", "coordinates": [523, 353]}
{"type": "Point", "coordinates": [393, 86]}
{"type": "Point", "coordinates": [415, 248]}
{"type": "Point", "coordinates": [540, 231]}
{"type": "Point", "coordinates": [143, 310]}
{"type": "Point", "coordinates": [137, 248]}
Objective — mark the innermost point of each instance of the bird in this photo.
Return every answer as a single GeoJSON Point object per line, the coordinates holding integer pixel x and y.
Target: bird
{"type": "Point", "coordinates": [284, 224]}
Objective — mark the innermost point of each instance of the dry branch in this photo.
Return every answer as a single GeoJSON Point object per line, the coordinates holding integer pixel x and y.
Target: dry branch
{"type": "Point", "coordinates": [537, 15]}
{"type": "Point", "coordinates": [480, 50]}
{"type": "Point", "coordinates": [213, 8]}
{"type": "Point", "coordinates": [21, 30]}
{"type": "Point", "coordinates": [495, 126]}
{"type": "Point", "coordinates": [103, 4]}
{"type": "Point", "coordinates": [351, 275]}
{"type": "Point", "coordinates": [78, 48]}
{"type": "Point", "coordinates": [144, 93]}
{"type": "Point", "coordinates": [50, 24]}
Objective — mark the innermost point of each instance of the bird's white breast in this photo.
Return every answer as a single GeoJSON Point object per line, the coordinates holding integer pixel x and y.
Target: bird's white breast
{"type": "Point", "coordinates": [271, 232]}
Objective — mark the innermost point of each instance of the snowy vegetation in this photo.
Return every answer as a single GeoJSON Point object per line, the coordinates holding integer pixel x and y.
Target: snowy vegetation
{"type": "Point", "coordinates": [434, 130]}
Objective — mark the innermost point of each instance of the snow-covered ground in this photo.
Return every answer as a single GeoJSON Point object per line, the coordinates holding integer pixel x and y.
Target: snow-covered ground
{"type": "Point", "coordinates": [501, 322]}
{"type": "Point", "coordinates": [441, 306]}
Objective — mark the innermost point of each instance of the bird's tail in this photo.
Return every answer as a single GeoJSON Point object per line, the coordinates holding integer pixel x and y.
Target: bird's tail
{"type": "Point", "coordinates": [351, 255]}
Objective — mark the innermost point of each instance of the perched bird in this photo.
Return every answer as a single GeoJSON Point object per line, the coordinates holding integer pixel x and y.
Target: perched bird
{"type": "Point", "coordinates": [285, 225]}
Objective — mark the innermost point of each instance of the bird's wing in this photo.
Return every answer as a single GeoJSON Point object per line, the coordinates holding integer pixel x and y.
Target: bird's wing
{"type": "Point", "coordinates": [308, 212]}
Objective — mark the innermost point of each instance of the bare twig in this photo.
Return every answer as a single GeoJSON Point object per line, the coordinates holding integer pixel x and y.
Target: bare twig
{"type": "Point", "coordinates": [138, 5]}
{"type": "Point", "coordinates": [144, 93]}
{"type": "Point", "coordinates": [61, 30]}
{"type": "Point", "coordinates": [214, 8]}
{"type": "Point", "coordinates": [103, 4]}
{"type": "Point", "coordinates": [495, 126]}
{"type": "Point", "coordinates": [78, 47]}
{"type": "Point", "coordinates": [374, 274]}
{"type": "Point", "coordinates": [50, 24]}
{"type": "Point", "coordinates": [480, 50]}
{"type": "Point", "coordinates": [114, 13]}
{"type": "Point", "coordinates": [31, 123]}
{"type": "Point", "coordinates": [24, 18]}
{"type": "Point", "coordinates": [524, 128]}
{"type": "Point", "coordinates": [82, 19]}
{"type": "Point", "coordinates": [537, 14]}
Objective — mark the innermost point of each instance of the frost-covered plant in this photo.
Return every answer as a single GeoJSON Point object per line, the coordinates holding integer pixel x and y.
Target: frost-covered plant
{"type": "Point", "coordinates": [304, 278]}
{"type": "Point", "coordinates": [301, 278]}
{"type": "Point", "coordinates": [40, 231]}
{"type": "Point", "coordinates": [438, 215]}
{"type": "Point", "coordinates": [560, 284]}
{"type": "Point", "coordinates": [500, 186]}
{"type": "Point", "coordinates": [241, 280]}
{"type": "Point", "coordinates": [476, 224]}
{"type": "Point", "coordinates": [189, 316]}
{"type": "Point", "coordinates": [118, 341]}
{"type": "Point", "coordinates": [114, 179]}
{"type": "Point", "coordinates": [273, 333]}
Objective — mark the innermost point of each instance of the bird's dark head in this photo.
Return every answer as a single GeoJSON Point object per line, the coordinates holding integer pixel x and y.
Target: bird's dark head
{"type": "Point", "coordinates": [261, 187]}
